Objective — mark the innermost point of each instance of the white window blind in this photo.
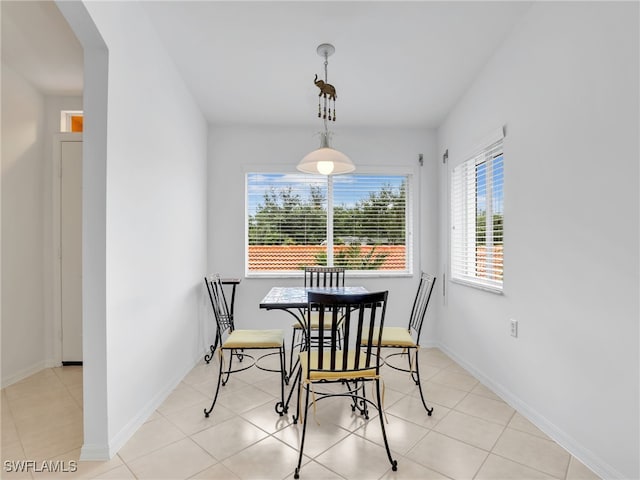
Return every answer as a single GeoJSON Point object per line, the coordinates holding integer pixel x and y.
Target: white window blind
{"type": "Point", "coordinates": [477, 212]}
{"type": "Point", "coordinates": [370, 222]}
{"type": "Point", "coordinates": [287, 220]}
{"type": "Point", "coordinates": [359, 221]}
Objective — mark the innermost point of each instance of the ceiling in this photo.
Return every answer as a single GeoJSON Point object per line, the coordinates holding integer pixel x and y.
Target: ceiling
{"type": "Point", "coordinates": [38, 43]}
{"type": "Point", "coordinates": [397, 64]}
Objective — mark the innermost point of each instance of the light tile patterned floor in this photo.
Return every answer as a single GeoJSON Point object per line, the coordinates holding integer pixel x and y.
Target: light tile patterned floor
{"type": "Point", "coordinates": [472, 434]}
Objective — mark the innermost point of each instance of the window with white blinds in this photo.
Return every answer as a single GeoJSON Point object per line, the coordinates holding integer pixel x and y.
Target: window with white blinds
{"type": "Point", "coordinates": [356, 221]}
{"type": "Point", "coordinates": [477, 211]}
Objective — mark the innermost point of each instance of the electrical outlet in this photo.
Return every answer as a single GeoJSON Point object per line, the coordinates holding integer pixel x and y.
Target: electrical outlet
{"type": "Point", "coordinates": [514, 328]}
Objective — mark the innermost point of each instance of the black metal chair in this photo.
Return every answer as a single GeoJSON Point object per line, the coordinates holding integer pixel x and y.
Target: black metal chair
{"type": "Point", "coordinates": [236, 342]}
{"type": "Point", "coordinates": [408, 339]}
{"type": "Point", "coordinates": [314, 277]}
{"type": "Point", "coordinates": [355, 364]}
{"type": "Point", "coordinates": [228, 307]}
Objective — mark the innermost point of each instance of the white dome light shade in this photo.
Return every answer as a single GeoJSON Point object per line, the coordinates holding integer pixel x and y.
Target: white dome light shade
{"type": "Point", "coordinates": [326, 161]}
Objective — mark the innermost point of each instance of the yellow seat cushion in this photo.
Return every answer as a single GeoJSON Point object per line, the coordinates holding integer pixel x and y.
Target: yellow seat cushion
{"type": "Point", "coordinates": [254, 339]}
{"type": "Point", "coordinates": [392, 337]}
{"type": "Point", "coordinates": [328, 374]}
{"type": "Point", "coordinates": [315, 322]}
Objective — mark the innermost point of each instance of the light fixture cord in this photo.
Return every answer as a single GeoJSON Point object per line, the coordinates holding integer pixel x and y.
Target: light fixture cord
{"type": "Point", "coordinates": [326, 80]}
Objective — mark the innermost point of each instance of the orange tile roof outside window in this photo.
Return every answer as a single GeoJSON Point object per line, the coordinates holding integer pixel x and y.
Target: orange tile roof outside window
{"type": "Point", "coordinates": [77, 122]}
{"type": "Point", "coordinates": [264, 258]}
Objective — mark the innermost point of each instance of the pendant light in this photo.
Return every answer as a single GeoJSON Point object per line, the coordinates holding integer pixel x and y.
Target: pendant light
{"type": "Point", "coordinates": [326, 160]}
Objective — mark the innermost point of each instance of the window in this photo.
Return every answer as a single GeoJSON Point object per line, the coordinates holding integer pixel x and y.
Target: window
{"type": "Point", "coordinates": [477, 210]}
{"type": "Point", "coordinates": [360, 222]}
{"type": "Point", "coordinates": [71, 120]}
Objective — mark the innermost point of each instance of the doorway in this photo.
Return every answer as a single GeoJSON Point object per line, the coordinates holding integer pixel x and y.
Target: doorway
{"type": "Point", "coordinates": [68, 240]}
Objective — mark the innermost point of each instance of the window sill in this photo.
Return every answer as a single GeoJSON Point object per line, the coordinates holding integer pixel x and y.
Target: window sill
{"type": "Point", "coordinates": [478, 286]}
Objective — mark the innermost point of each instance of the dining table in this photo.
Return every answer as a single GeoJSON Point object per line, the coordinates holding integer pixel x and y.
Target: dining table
{"type": "Point", "coordinates": [293, 300]}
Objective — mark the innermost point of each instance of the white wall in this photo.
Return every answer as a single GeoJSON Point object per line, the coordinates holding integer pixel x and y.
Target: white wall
{"type": "Point", "coordinates": [232, 152]}
{"type": "Point", "coordinates": [154, 247]}
{"type": "Point", "coordinates": [566, 85]}
{"type": "Point", "coordinates": [23, 162]}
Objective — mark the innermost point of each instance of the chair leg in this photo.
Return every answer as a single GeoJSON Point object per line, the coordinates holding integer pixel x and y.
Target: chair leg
{"type": "Point", "coordinates": [411, 366]}
{"type": "Point", "coordinates": [215, 397]}
{"type": "Point", "coordinates": [304, 430]}
{"type": "Point", "coordinates": [365, 409]}
{"type": "Point", "coordinates": [212, 348]}
{"type": "Point", "coordinates": [358, 401]}
{"type": "Point", "coordinates": [285, 375]}
{"type": "Point", "coordinates": [281, 408]}
{"type": "Point", "coordinates": [354, 398]}
{"type": "Point", "coordinates": [417, 380]}
{"type": "Point", "coordinates": [226, 378]}
{"type": "Point", "coordinates": [394, 463]}
{"type": "Point", "coordinates": [296, 380]}
{"type": "Point", "coordinates": [293, 344]}
{"type": "Point", "coordinates": [209, 356]}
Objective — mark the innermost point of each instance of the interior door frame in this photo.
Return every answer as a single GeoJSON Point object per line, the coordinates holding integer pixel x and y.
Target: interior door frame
{"type": "Point", "coordinates": [58, 139]}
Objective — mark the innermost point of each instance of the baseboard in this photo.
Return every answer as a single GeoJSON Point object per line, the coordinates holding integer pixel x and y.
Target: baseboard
{"type": "Point", "coordinates": [575, 448]}
{"type": "Point", "coordinates": [123, 436]}
{"type": "Point", "coordinates": [95, 453]}
{"type": "Point", "coordinates": [52, 364]}
{"type": "Point", "coordinates": [24, 373]}
{"type": "Point", "coordinates": [429, 344]}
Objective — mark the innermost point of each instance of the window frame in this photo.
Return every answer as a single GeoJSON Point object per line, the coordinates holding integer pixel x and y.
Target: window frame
{"type": "Point", "coordinates": [470, 162]}
{"type": "Point", "coordinates": [66, 120]}
{"type": "Point", "coordinates": [412, 209]}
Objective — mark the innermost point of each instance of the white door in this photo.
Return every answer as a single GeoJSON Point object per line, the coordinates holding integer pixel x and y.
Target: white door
{"type": "Point", "coordinates": [71, 250]}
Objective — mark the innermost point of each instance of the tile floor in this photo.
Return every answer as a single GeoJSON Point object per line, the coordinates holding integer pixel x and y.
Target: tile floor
{"type": "Point", "coordinates": [472, 433]}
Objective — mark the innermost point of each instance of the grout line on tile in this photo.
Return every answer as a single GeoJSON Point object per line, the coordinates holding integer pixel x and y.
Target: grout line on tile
{"type": "Point", "coordinates": [525, 465]}
{"type": "Point", "coordinates": [128, 468]}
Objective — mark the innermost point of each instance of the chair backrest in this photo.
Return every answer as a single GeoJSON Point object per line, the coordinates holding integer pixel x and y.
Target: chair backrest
{"type": "Point", "coordinates": [324, 276]}
{"type": "Point", "coordinates": [361, 316]}
{"type": "Point", "coordinates": [421, 302]}
{"type": "Point", "coordinates": [219, 303]}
